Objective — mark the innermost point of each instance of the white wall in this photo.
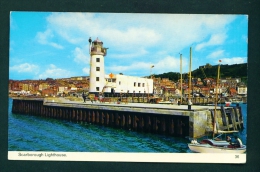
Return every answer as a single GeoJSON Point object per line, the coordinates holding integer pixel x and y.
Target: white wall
{"type": "Point", "coordinates": [125, 83]}
{"type": "Point", "coordinates": [93, 74]}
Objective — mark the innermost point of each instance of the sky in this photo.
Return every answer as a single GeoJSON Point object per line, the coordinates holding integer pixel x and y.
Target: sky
{"type": "Point", "coordinates": [55, 45]}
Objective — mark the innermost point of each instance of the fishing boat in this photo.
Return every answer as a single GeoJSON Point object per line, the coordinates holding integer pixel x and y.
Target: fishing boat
{"type": "Point", "coordinates": [215, 145]}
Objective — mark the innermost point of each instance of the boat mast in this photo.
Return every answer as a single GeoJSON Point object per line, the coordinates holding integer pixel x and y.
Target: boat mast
{"type": "Point", "coordinates": [216, 102]}
{"type": "Point", "coordinates": [189, 101]}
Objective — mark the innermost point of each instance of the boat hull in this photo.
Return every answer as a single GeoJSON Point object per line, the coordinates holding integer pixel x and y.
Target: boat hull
{"type": "Point", "coordinates": [206, 148]}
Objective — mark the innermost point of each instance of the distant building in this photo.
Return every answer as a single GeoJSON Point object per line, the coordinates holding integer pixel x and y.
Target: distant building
{"type": "Point", "coordinates": [79, 78]}
{"type": "Point", "coordinates": [43, 86]}
{"type": "Point", "coordinates": [49, 92]}
{"type": "Point", "coordinates": [241, 89]}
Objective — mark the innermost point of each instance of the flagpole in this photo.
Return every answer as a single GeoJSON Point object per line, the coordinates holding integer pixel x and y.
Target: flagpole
{"type": "Point", "coordinates": [181, 74]}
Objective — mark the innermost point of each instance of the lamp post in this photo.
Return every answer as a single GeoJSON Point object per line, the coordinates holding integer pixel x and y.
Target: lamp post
{"type": "Point", "coordinates": [90, 42]}
{"type": "Point", "coordinates": [151, 71]}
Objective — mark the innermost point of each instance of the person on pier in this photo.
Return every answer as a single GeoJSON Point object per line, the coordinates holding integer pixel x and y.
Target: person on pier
{"type": "Point", "coordinates": [84, 97]}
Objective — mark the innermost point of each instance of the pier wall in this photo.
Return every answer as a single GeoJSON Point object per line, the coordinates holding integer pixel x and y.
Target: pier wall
{"type": "Point", "coordinates": [192, 123]}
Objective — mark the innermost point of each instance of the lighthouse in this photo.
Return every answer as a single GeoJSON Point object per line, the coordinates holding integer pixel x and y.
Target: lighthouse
{"type": "Point", "coordinates": [109, 84]}
{"type": "Point", "coordinates": [97, 70]}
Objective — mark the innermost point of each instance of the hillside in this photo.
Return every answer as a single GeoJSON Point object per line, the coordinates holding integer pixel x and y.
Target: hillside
{"type": "Point", "coordinates": [226, 71]}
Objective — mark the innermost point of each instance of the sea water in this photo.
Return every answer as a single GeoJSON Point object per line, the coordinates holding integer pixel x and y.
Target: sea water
{"type": "Point", "coordinates": [34, 133]}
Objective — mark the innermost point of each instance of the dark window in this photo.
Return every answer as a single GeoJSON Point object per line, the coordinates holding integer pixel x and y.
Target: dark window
{"type": "Point", "coordinates": [97, 88]}
{"type": "Point", "coordinates": [97, 68]}
{"type": "Point", "coordinates": [97, 78]}
{"type": "Point", "coordinates": [139, 84]}
{"type": "Point", "coordinates": [134, 84]}
{"type": "Point", "coordinates": [97, 59]}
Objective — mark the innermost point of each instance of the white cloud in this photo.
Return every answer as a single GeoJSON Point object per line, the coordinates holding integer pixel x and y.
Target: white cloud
{"type": "Point", "coordinates": [245, 38]}
{"type": "Point", "coordinates": [85, 70]}
{"type": "Point", "coordinates": [233, 60]}
{"type": "Point", "coordinates": [163, 65]}
{"type": "Point", "coordinates": [168, 64]}
{"type": "Point", "coordinates": [81, 56]}
{"type": "Point", "coordinates": [139, 36]}
{"type": "Point", "coordinates": [130, 55]}
{"type": "Point", "coordinates": [25, 68]}
{"type": "Point", "coordinates": [55, 45]}
{"type": "Point", "coordinates": [136, 67]}
{"type": "Point", "coordinates": [131, 38]}
{"type": "Point", "coordinates": [216, 39]}
{"type": "Point", "coordinates": [216, 54]}
{"type": "Point", "coordinates": [45, 37]}
{"type": "Point", "coordinates": [134, 32]}
{"type": "Point", "coordinates": [53, 72]}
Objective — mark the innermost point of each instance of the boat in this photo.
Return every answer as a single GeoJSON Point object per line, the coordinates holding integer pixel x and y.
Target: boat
{"type": "Point", "coordinates": [213, 148]}
{"type": "Point", "coordinates": [215, 145]}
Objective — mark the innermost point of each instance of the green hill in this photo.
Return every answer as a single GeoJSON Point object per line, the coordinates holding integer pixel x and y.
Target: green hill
{"type": "Point", "coordinates": [226, 71]}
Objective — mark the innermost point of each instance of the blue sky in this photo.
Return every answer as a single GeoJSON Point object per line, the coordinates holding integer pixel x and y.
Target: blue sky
{"type": "Point", "coordinates": [55, 45]}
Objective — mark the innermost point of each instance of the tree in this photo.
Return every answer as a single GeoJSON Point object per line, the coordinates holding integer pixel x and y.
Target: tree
{"type": "Point", "coordinates": [208, 65]}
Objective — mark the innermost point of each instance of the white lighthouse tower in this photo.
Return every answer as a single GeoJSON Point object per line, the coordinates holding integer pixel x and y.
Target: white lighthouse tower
{"type": "Point", "coordinates": [97, 70]}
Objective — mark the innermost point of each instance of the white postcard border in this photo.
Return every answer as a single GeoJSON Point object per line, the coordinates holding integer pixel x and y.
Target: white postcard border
{"type": "Point", "coordinates": [128, 157]}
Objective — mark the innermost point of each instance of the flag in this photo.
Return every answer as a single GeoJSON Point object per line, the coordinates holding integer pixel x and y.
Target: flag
{"type": "Point", "coordinates": [219, 60]}
{"type": "Point", "coordinates": [152, 66]}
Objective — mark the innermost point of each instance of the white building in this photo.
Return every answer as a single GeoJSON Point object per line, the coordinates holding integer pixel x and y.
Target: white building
{"type": "Point", "coordinates": [127, 84]}
{"type": "Point", "coordinates": [242, 90]}
{"type": "Point", "coordinates": [112, 83]}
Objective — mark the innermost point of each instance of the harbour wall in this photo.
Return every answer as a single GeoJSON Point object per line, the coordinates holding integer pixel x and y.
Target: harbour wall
{"type": "Point", "coordinates": [153, 118]}
{"type": "Point", "coordinates": [145, 99]}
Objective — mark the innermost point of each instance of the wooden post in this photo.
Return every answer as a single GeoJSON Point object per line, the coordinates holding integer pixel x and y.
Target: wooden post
{"type": "Point", "coordinates": [122, 116]}
{"type": "Point", "coordinates": [133, 121]}
{"type": "Point", "coordinates": [237, 117]}
{"type": "Point", "coordinates": [106, 118]}
{"type": "Point", "coordinates": [93, 117]}
{"type": "Point", "coordinates": [130, 120]}
{"type": "Point", "coordinates": [233, 118]}
{"type": "Point", "coordinates": [154, 124]}
{"type": "Point", "coordinates": [224, 115]}
{"type": "Point", "coordinates": [117, 119]}
{"type": "Point", "coordinates": [163, 124]}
